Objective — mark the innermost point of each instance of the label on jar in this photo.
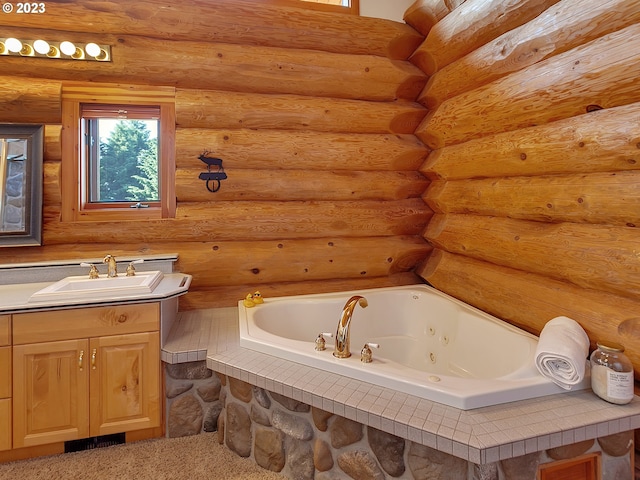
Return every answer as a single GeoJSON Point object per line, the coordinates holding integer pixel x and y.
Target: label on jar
{"type": "Point", "coordinates": [619, 385]}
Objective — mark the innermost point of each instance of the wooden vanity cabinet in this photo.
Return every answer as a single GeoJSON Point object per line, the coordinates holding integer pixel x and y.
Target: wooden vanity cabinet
{"type": "Point", "coordinates": [85, 372]}
{"type": "Point", "coordinates": [5, 382]}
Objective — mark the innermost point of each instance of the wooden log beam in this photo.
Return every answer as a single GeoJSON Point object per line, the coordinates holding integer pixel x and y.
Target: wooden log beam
{"type": "Point", "coordinates": [227, 21]}
{"type": "Point", "coordinates": [32, 101]}
{"type": "Point", "coordinates": [563, 26]}
{"type": "Point", "coordinates": [219, 66]}
{"type": "Point", "coordinates": [600, 141]}
{"type": "Point", "coordinates": [228, 295]}
{"type": "Point", "coordinates": [600, 74]}
{"type": "Point", "coordinates": [596, 198]}
{"type": "Point", "coordinates": [217, 110]}
{"type": "Point", "coordinates": [424, 14]}
{"type": "Point", "coordinates": [529, 301]}
{"type": "Point", "coordinates": [292, 149]}
{"type": "Point", "coordinates": [559, 250]}
{"type": "Point", "coordinates": [282, 185]}
{"type": "Point", "coordinates": [51, 193]}
{"type": "Point", "coordinates": [52, 144]}
{"type": "Point", "coordinates": [255, 220]}
{"type": "Point", "coordinates": [471, 25]}
{"type": "Point", "coordinates": [267, 262]}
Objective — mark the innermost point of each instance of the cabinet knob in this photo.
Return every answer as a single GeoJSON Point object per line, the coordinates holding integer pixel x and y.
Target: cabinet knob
{"type": "Point", "coordinates": [81, 360]}
{"type": "Point", "coordinates": [122, 318]}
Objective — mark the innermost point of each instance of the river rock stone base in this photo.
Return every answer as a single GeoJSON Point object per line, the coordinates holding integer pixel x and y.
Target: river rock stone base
{"type": "Point", "coordinates": [303, 442]}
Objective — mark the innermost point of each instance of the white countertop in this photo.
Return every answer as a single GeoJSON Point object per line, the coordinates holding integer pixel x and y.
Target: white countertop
{"type": "Point", "coordinates": [15, 298]}
{"type": "Point", "coordinates": [483, 435]}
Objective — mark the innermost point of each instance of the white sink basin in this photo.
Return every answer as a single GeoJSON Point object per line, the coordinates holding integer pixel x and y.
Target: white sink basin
{"type": "Point", "coordinates": [83, 287]}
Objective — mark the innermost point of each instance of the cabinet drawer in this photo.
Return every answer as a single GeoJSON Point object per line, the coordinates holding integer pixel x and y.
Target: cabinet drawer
{"type": "Point", "coordinates": [5, 372]}
{"type": "Point", "coordinates": [5, 330]}
{"type": "Point", "coordinates": [85, 322]}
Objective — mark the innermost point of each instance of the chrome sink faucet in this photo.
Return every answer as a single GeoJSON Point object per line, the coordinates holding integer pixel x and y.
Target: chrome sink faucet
{"type": "Point", "coordinates": [112, 267]}
{"type": "Point", "coordinates": [342, 348]}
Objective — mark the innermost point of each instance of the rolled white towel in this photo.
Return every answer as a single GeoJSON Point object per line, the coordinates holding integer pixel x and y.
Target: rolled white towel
{"type": "Point", "coordinates": [562, 352]}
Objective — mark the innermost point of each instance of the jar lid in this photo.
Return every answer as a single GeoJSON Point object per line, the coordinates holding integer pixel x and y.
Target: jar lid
{"type": "Point", "coordinates": [610, 346]}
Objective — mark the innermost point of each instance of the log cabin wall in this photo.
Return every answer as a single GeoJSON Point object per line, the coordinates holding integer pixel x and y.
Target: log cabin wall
{"type": "Point", "coordinates": [313, 114]}
{"type": "Point", "coordinates": [534, 128]}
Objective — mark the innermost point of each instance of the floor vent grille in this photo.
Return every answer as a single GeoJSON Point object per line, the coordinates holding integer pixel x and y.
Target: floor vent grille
{"type": "Point", "coordinates": [94, 442]}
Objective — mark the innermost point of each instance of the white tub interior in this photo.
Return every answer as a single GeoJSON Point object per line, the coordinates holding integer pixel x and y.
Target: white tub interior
{"type": "Point", "coordinates": [431, 345]}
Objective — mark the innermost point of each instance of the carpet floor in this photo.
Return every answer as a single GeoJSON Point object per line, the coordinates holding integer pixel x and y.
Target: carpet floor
{"type": "Point", "coordinates": [185, 458]}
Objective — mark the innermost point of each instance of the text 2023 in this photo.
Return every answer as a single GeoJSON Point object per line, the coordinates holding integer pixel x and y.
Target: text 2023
{"type": "Point", "coordinates": [33, 7]}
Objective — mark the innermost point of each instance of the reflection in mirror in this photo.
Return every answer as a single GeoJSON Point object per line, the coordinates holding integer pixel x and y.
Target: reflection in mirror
{"type": "Point", "coordinates": [21, 152]}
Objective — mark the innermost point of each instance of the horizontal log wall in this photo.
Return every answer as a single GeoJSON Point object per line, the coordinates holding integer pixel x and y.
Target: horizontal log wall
{"type": "Point", "coordinates": [313, 114]}
{"type": "Point", "coordinates": [535, 165]}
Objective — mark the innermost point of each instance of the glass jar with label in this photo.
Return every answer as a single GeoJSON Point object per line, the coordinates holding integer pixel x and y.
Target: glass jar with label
{"type": "Point", "coordinates": [611, 373]}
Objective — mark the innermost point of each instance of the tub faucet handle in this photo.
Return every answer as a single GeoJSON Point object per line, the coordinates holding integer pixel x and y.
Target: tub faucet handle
{"type": "Point", "coordinates": [320, 341]}
{"type": "Point", "coordinates": [366, 355]}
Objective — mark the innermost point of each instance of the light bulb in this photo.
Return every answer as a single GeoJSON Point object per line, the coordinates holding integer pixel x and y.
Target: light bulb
{"type": "Point", "coordinates": [13, 45]}
{"type": "Point", "coordinates": [92, 49]}
{"type": "Point", "coordinates": [67, 48]}
{"type": "Point", "coordinates": [41, 47]}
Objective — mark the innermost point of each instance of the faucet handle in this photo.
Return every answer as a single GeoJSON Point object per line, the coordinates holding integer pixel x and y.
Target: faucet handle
{"type": "Point", "coordinates": [320, 341]}
{"type": "Point", "coordinates": [131, 271]}
{"type": "Point", "coordinates": [366, 355]}
{"type": "Point", "coordinates": [93, 272]}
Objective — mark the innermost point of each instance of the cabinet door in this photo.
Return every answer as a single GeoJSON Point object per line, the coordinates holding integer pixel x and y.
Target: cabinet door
{"type": "Point", "coordinates": [50, 391]}
{"type": "Point", "coordinates": [5, 424]}
{"type": "Point", "coordinates": [125, 383]}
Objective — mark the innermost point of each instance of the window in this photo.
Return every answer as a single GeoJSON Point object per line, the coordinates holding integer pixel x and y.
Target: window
{"type": "Point", "coordinates": [118, 153]}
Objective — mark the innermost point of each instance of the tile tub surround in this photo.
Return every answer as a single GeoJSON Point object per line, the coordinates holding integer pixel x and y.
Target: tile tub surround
{"type": "Point", "coordinates": [481, 436]}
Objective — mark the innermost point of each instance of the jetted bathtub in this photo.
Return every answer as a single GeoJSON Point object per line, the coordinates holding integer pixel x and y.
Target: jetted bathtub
{"type": "Point", "coordinates": [431, 345]}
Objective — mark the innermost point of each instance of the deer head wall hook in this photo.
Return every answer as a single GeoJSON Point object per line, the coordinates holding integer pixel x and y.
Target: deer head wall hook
{"type": "Point", "coordinates": [212, 178]}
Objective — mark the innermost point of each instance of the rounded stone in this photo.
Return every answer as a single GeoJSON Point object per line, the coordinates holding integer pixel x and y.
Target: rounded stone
{"type": "Point", "coordinates": [617, 444]}
{"type": "Point", "coordinates": [388, 449]}
{"type": "Point", "coordinates": [269, 449]}
{"type": "Point", "coordinates": [175, 389]}
{"type": "Point", "coordinates": [570, 451]}
{"type": "Point", "coordinates": [260, 394]}
{"type": "Point", "coordinates": [210, 391]}
{"type": "Point", "coordinates": [322, 458]}
{"type": "Point", "coordinates": [260, 416]}
{"type": "Point", "coordinates": [238, 429]}
{"type": "Point", "coordinates": [320, 418]}
{"type": "Point", "coordinates": [292, 425]}
{"type": "Point", "coordinates": [430, 464]}
{"type": "Point", "coordinates": [345, 432]}
{"type": "Point", "coordinates": [211, 417]}
{"type": "Point", "coordinates": [300, 459]}
{"type": "Point", "coordinates": [521, 468]}
{"type": "Point", "coordinates": [188, 370]}
{"type": "Point", "coordinates": [240, 390]}
{"type": "Point", "coordinates": [185, 417]}
{"type": "Point", "coordinates": [360, 465]}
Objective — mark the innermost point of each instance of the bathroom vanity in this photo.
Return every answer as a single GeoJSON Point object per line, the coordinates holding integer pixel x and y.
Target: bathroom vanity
{"type": "Point", "coordinates": [83, 368]}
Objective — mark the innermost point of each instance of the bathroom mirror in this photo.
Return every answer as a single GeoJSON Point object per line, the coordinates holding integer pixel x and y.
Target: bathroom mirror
{"type": "Point", "coordinates": [21, 152]}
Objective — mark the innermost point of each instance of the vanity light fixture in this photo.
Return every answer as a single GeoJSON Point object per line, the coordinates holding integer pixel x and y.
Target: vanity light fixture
{"type": "Point", "coordinates": [49, 49]}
